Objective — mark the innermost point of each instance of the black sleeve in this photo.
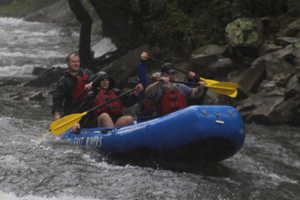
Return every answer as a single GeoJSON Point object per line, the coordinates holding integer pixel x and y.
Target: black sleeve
{"type": "Point", "coordinates": [86, 105]}
{"type": "Point", "coordinates": [129, 100]}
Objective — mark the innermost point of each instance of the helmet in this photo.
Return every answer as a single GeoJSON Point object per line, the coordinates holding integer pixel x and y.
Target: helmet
{"type": "Point", "coordinates": [167, 67]}
{"type": "Point", "coordinates": [100, 76]}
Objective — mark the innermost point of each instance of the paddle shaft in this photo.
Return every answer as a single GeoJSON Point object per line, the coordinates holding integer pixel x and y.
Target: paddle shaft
{"type": "Point", "coordinates": [186, 83]}
{"type": "Point", "coordinates": [69, 108]}
{"type": "Point", "coordinates": [172, 67]}
{"type": "Point", "coordinates": [95, 108]}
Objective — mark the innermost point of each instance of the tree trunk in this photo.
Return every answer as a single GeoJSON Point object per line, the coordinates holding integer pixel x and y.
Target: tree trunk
{"type": "Point", "coordinates": [85, 31]}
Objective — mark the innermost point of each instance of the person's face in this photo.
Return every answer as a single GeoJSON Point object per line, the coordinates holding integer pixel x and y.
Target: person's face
{"type": "Point", "coordinates": [104, 83]}
{"type": "Point", "coordinates": [171, 76]}
{"type": "Point", "coordinates": [74, 63]}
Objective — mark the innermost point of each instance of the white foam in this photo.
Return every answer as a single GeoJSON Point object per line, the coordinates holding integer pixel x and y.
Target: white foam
{"type": "Point", "coordinates": [16, 71]}
{"type": "Point", "coordinates": [11, 196]}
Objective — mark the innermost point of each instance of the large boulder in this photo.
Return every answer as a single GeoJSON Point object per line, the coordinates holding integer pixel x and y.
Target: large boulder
{"type": "Point", "coordinates": [279, 70]}
{"type": "Point", "coordinates": [46, 78]}
{"type": "Point", "coordinates": [103, 47]}
{"type": "Point", "coordinates": [293, 86]}
{"type": "Point", "coordinates": [258, 108]}
{"type": "Point", "coordinates": [245, 32]}
{"type": "Point", "coordinates": [288, 112]}
{"type": "Point", "coordinates": [251, 79]}
{"type": "Point", "coordinates": [126, 66]}
{"type": "Point", "coordinates": [296, 60]}
{"type": "Point", "coordinates": [207, 61]}
{"type": "Point", "coordinates": [292, 30]}
{"type": "Point", "coordinates": [287, 54]}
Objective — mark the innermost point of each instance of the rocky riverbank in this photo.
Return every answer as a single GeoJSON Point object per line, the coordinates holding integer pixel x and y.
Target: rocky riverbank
{"type": "Point", "coordinates": [265, 63]}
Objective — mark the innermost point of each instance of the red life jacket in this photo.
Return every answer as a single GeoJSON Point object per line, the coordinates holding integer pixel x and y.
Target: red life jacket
{"type": "Point", "coordinates": [171, 101]}
{"type": "Point", "coordinates": [115, 107]}
{"type": "Point", "coordinates": [79, 88]}
{"type": "Point", "coordinates": [147, 107]}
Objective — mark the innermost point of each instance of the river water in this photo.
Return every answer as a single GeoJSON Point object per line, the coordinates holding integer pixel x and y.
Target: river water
{"type": "Point", "coordinates": [266, 168]}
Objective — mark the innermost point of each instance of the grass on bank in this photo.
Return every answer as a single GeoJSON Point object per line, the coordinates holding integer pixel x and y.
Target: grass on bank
{"type": "Point", "coordinates": [22, 8]}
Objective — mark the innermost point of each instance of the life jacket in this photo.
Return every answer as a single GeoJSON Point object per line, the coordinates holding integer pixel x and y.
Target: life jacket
{"type": "Point", "coordinates": [147, 107]}
{"type": "Point", "coordinates": [78, 91]}
{"type": "Point", "coordinates": [115, 107]}
{"type": "Point", "coordinates": [171, 101]}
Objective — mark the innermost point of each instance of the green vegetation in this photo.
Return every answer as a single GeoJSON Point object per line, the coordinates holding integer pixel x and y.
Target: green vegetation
{"type": "Point", "coordinates": [179, 25]}
{"type": "Point", "coordinates": [193, 23]}
{"type": "Point", "coordinates": [22, 8]}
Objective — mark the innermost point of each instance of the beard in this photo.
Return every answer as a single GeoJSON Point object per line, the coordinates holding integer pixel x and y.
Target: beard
{"type": "Point", "coordinates": [170, 86]}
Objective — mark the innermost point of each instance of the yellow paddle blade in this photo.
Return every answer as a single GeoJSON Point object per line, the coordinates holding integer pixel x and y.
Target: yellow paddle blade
{"type": "Point", "coordinates": [223, 85]}
{"type": "Point", "coordinates": [208, 81]}
{"type": "Point", "coordinates": [231, 93]}
{"type": "Point", "coordinates": [61, 125]}
{"type": "Point", "coordinates": [226, 88]}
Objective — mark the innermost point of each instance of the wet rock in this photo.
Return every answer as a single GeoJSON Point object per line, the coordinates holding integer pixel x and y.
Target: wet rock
{"type": "Point", "coordinates": [258, 108]}
{"type": "Point", "coordinates": [47, 78]}
{"type": "Point", "coordinates": [103, 47]}
{"type": "Point", "coordinates": [39, 70]}
{"type": "Point", "coordinates": [284, 41]}
{"type": "Point", "coordinates": [207, 60]}
{"type": "Point", "coordinates": [251, 79]}
{"type": "Point", "coordinates": [293, 86]}
{"type": "Point", "coordinates": [65, 32]}
{"type": "Point", "coordinates": [37, 97]}
{"type": "Point", "coordinates": [9, 82]}
{"type": "Point", "coordinates": [292, 30]}
{"type": "Point", "coordinates": [288, 112]}
{"type": "Point", "coordinates": [244, 34]}
{"type": "Point", "coordinates": [296, 60]}
{"type": "Point", "coordinates": [17, 96]}
{"type": "Point", "coordinates": [125, 66]}
{"type": "Point", "coordinates": [279, 70]}
{"type": "Point", "coordinates": [268, 47]}
{"type": "Point", "coordinates": [286, 53]}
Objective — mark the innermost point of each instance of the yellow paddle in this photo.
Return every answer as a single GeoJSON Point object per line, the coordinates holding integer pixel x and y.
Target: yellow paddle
{"type": "Point", "coordinates": [231, 93]}
{"type": "Point", "coordinates": [61, 125]}
{"type": "Point", "coordinates": [208, 81]}
{"type": "Point", "coordinates": [225, 88]}
{"type": "Point", "coordinates": [49, 131]}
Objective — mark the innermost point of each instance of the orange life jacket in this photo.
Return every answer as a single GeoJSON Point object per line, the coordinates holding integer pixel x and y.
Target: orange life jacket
{"type": "Point", "coordinates": [115, 107]}
{"type": "Point", "coordinates": [78, 91]}
{"type": "Point", "coordinates": [171, 101]}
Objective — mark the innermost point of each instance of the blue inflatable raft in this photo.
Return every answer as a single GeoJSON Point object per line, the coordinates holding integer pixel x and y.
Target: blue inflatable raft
{"type": "Point", "coordinates": [196, 133]}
